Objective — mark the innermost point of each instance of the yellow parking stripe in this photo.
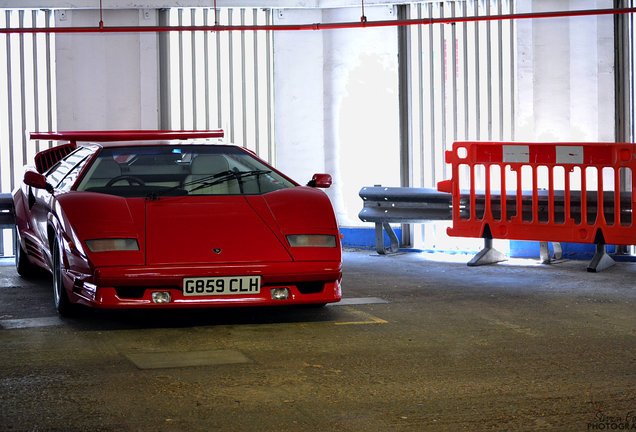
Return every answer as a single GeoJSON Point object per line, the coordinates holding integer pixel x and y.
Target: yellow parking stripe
{"type": "Point", "coordinates": [368, 318]}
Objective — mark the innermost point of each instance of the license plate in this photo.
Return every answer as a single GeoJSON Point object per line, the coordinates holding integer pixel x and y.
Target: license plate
{"type": "Point", "coordinates": [227, 285]}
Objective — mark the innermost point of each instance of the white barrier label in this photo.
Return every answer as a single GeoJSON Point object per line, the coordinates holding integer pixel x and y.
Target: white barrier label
{"type": "Point", "coordinates": [516, 153]}
{"type": "Point", "coordinates": [569, 154]}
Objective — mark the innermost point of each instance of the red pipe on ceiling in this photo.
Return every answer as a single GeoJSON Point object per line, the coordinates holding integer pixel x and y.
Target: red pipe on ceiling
{"type": "Point", "coordinates": [318, 26]}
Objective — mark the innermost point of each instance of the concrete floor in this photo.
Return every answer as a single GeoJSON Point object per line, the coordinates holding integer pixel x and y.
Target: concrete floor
{"type": "Point", "coordinates": [417, 345]}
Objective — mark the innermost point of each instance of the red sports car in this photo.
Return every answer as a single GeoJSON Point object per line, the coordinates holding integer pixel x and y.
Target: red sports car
{"type": "Point", "coordinates": [142, 219]}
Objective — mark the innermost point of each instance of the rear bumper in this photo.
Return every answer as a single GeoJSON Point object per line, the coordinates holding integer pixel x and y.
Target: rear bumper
{"type": "Point", "coordinates": [110, 287]}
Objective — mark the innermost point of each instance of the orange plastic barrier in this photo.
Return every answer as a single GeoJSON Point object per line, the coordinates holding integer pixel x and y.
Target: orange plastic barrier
{"type": "Point", "coordinates": [578, 205]}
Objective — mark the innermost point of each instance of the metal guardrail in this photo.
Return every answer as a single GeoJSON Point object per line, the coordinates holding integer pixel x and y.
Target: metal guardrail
{"type": "Point", "coordinates": [7, 218]}
{"type": "Point", "coordinates": [386, 205]}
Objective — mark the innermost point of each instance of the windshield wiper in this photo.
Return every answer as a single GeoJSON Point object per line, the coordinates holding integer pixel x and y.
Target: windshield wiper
{"type": "Point", "coordinates": [225, 176]}
{"type": "Point", "coordinates": [210, 180]}
{"type": "Point", "coordinates": [155, 195]}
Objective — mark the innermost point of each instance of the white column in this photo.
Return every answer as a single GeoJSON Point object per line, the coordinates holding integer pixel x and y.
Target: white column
{"type": "Point", "coordinates": [298, 84]}
{"type": "Point", "coordinates": [337, 104]}
{"type": "Point", "coordinates": [361, 108]}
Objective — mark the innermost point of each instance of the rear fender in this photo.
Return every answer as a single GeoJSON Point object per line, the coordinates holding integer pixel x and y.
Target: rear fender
{"type": "Point", "coordinates": [20, 209]}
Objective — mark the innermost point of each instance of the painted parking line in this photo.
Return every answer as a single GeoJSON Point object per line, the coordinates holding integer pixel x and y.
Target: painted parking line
{"type": "Point", "coordinates": [367, 318]}
{"type": "Point", "coordinates": [180, 359]}
{"type": "Point", "coordinates": [11, 324]}
{"type": "Point", "coordinates": [360, 301]}
{"type": "Point", "coordinates": [55, 321]}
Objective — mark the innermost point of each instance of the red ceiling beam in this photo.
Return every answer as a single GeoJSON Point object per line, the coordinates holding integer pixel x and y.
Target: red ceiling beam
{"type": "Point", "coordinates": [319, 26]}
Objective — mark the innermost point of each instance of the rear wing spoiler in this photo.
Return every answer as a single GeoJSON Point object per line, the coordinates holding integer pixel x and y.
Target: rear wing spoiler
{"type": "Point", "coordinates": [126, 135]}
{"type": "Point", "coordinates": [47, 158]}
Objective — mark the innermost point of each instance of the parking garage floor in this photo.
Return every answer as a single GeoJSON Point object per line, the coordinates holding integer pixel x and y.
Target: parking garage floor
{"type": "Point", "coordinates": [416, 345]}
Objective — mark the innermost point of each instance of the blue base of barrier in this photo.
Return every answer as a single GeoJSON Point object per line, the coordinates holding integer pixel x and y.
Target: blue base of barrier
{"type": "Point", "coordinates": [573, 251]}
{"type": "Point", "coordinates": [364, 238]}
{"type": "Point", "coordinates": [528, 249]}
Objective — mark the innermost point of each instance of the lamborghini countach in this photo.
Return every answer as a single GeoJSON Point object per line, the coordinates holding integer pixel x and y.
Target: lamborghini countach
{"type": "Point", "coordinates": [140, 219]}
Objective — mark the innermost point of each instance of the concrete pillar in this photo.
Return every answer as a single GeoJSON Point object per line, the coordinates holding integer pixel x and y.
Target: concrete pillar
{"type": "Point", "coordinates": [109, 81]}
{"type": "Point", "coordinates": [298, 83]}
{"type": "Point", "coordinates": [361, 108]}
{"type": "Point", "coordinates": [337, 104]}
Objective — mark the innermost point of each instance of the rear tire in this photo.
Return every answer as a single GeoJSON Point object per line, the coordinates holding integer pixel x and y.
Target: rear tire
{"type": "Point", "coordinates": [22, 264]}
{"type": "Point", "coordinates": [63, 305]}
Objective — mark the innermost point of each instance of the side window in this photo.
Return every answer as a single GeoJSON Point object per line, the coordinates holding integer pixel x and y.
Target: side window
{"type": "Point", "coordinates": [59, 171]}
{"type": "Point", "coordinates": [70, 178]}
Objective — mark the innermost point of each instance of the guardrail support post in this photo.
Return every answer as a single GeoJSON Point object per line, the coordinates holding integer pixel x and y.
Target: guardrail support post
{"type": "Point", "coordinates": [601, 259]}
{"type": "Point", "coordinates": [544, 252]}
{"type": "Point", "coordinates": [379, 238]}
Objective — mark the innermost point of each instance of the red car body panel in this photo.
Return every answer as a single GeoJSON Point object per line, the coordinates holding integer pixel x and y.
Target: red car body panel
{"type": "Point", "coordinates": [180, 231]}
{"type": "Point", "coordinates": [194, 236]}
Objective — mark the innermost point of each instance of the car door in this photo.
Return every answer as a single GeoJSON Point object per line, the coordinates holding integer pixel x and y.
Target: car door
{"type": "Point", "coordinates": [62, 177]}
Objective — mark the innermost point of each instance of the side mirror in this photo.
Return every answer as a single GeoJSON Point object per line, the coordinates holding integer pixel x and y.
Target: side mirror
{"type": "Point", "coordinates": [37, 180]}
{"type": "Point", "coordinates": [320, 181]}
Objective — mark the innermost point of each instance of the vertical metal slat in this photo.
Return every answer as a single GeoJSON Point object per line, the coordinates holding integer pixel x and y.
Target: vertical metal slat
{"type": "Point", "coordinates": [219, 94]}
{"type": "Point", "coordinates": [454, 71]}
{"type": "Point", "coordinates": [257, 98]}
{"type": "Point", "coordinates": [193, 47]}
{"type": "Point", "coordinates": [206, 69]}
{"type": "Point", "coordinates": [6, 36]}
{"type": "Point", "coordinates": [500, 68]}
{"type": "Point", "coordinates": [181, 80]}
{"type": "Point", "coordinates": [270, 120]}
{"type": "Point", "coordinates": [405, 111]}
{"type": "Point", "coordinates": [49, 75]}
{"type": "Point", "coordinates": [165, 118]}
{"type": "Point", "coordinates": [243, 83]}
{"type": "Point", "coordinates": [477, 80]}
{"type": "Point", "coordinates": [231, 75]}
{"type": "Point", "coordinates": [22, 92]}
{"type": "Point", "coordinates": [489, 71]}
{"type": "Point", "coordinates": [420, 94]}
{"type": "Point", "coordinates": [10, 103]}
{"type": "Point", "coordinates": [432, 90]}
{"type": "Point", "coordinates": [465, 74]}
{"type": "Point", "coordinates": [442, 77]}
{"type": "Point", "coordinates": [36, 102]}
{"type": "Point", "coordinates": [404, 95]}
{"type": "Point", "coordinates": [512, 71]}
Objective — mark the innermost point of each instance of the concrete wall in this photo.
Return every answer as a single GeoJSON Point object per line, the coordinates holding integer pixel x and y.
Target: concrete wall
{"type": "Point", "coordinates": [107, 81]}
